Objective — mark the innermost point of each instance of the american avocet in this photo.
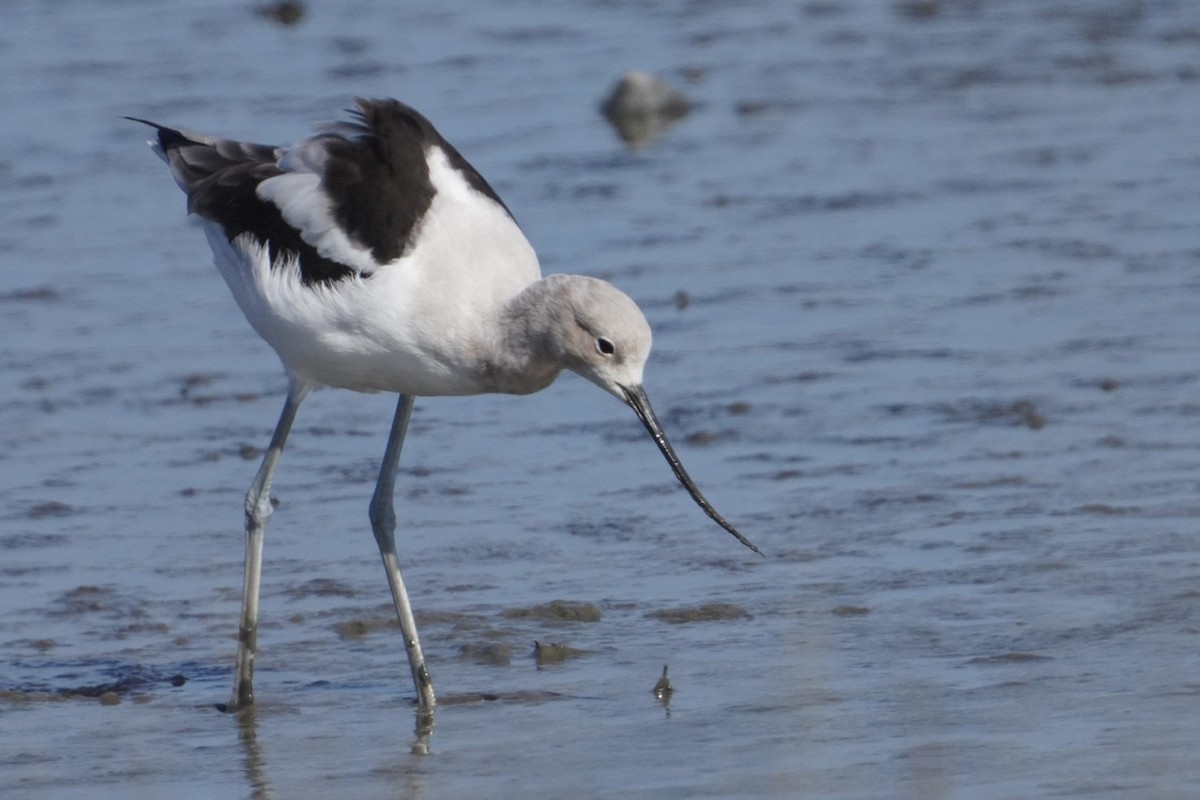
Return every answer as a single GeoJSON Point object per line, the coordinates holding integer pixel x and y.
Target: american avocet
{"type": "Point", "coordinates": [373, 257]}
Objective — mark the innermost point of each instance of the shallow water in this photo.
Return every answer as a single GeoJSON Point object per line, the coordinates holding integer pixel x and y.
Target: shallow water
{"type": "Point", "coordinates": [923, 277]}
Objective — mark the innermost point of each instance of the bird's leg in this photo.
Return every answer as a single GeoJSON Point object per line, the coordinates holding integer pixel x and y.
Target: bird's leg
{"type": "Point", "coordinates": [258, 513]}
{"type": "Point", "coordinates": [383, 523]}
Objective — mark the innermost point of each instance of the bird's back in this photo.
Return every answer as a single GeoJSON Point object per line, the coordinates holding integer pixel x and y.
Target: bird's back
{"type": "Point", "coordinates": [373, 239]}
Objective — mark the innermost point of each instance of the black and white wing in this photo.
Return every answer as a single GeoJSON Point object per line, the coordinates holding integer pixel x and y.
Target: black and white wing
{"type": "Point", "coordinates": [344, 202]}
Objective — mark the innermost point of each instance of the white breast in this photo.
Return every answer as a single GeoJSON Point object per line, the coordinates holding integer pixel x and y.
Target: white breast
{"type": "Point", "coordinates": [421, 324]}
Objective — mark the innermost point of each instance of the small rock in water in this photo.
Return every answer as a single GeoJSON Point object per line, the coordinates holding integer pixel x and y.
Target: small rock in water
{"type": "Point", "coordinates": [493, 654]}
{"type": "Point", "coordinates": [642, 106]}
{"type": "Point", "coordinates": [553, 653]}
{"type": "Point", "coordinates": [709, 612]}
{"type": "Point", "coordinates": [556, 611]}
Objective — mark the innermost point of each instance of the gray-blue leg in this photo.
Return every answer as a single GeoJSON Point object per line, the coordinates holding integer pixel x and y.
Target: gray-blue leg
{"type": "Point", "coordinates": [258, 513]}
{"type": "Point", "coordinates": [383, 523]}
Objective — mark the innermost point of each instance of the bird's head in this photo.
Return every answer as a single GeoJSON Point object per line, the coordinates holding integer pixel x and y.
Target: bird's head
{"type": "Point", "coordinates": [602, 334]}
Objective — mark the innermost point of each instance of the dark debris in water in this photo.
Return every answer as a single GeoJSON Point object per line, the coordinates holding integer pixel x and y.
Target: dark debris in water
{"type": "Point", "coordinates": [198, 389]}
{"type": "Point", "coordinates": [29, 696]}
{"type": "Point", "coordinates": [663, 688]}
{"type": "Point", "coordinates": [50, 508]}
{"type": "Point", "coordinates": [1009, 658]}
{"type": "Point", "coordinates": [998, 482]}
{"type": "Point", "coordinates": [618, 529]}
{"type": "Point", "coordinates": [86, 600]}
{"type": "Point", "coordinates": [1076, 249]}
{"type": "Point", "coordinates": [788, 206]}
{"type": "Point", "coordinates": [554, 653]}
{"type": "Point", "coordinates": [469, 587]}
{"type": "Point", "coordinates": [1008, 412]}
{"type": "Point", "coordinates": [40, 645]}
{"type": "Point", "coordinates": [1023, 412]}
{"type": "Point", "coordinates": [358, 628]}
{"type": "Point", "coordinates": [556, 611]}
{"type": "Point", "coordinates": [756, 106]}
{"type": "Point", "coordinates": [708, 612]}
{"type": "Point", "coordinates": [123, 681]}
{"type": "Point", "coordinates": [918, 10]}
{"type": "Point", "coordinates": [1107, 510]}
{"type": "Point", "coordinates": [488, 654]}
{"type": "Point", "coordinates": [196, 380]}
{"type": "Point", "coordinates": [39, 294]}
{"type": "Point", "coordinates": [526, 697]}
{"type": "Point", "coordinates": [320, 587]}
{"type": "Point", "coordinates": [130, 615]}
{"type": "Point", "coordinates": [283, 12]}
{"type": "Point", "coordinates": [807, 376]}
{"type": "Point", "coordinates": [18, 541]}
{"type": "Point", "coordinates": [700, 438]}
{"type": "Point", "coordinates": [456, 620]}
{"type": "Point", "coordinates": [851, 611]}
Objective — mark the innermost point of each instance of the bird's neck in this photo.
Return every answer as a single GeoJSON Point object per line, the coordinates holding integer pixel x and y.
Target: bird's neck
{"type": "Point", "coordinates": [523, 359]}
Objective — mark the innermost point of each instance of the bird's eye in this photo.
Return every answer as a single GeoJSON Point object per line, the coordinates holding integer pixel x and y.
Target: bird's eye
{"type": "Point", "coordinates": [605, 346]}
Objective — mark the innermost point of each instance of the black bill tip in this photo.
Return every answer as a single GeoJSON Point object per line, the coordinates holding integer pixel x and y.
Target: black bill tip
{"type": "Point", "coordinates": [640, 403]}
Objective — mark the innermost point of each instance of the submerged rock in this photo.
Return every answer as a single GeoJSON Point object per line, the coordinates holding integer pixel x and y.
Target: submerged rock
{"type": "Point", "coordinates": [709, 612]}
{"type": "Point", "coordinates": [492, 654]}
{"type": "Point", "coordinates": [556, 611]}
{"type": "Point", "coordinates": [554, 652]}
{"type": "Point", "coordinates": [641, 107]}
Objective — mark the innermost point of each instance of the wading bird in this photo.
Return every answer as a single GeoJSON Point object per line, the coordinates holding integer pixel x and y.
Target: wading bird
{"type": "Point", "coordinates": [373, 257]}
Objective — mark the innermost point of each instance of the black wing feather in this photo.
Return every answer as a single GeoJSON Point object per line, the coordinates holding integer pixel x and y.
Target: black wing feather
{"type": "Point", "coordinates": [220, 177]}
{"type": "Point", "coordinates": [376, 178]}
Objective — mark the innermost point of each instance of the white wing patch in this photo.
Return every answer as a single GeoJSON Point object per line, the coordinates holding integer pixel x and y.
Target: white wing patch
{"type": "Point", "coordinates": [298, 195]}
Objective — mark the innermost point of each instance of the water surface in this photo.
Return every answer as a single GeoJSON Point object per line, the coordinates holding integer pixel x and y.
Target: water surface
{"type": "Point", "coordinates": [923, 279]}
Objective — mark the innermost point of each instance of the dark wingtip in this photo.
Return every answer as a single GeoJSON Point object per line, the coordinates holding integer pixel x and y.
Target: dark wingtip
{"type": "Point", "coordinates": [167, 137]}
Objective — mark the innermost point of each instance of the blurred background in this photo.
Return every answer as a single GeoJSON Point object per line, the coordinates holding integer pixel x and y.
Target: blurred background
{"type": "Point", "coordinates": [923, 276]}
